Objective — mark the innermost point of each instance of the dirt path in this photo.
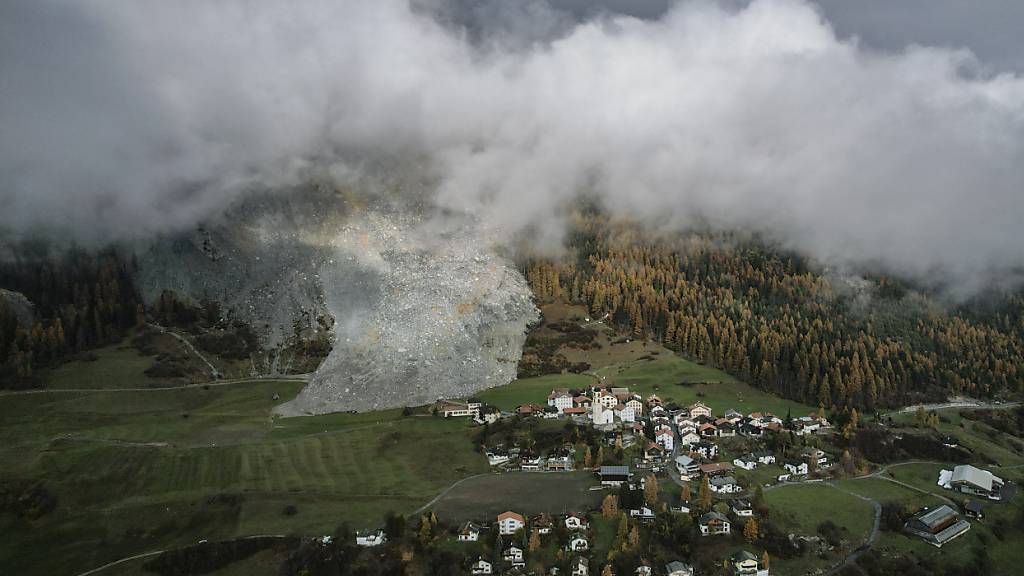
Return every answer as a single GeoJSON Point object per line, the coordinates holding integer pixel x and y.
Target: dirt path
{"type": "Point", "coordinates": [214, 373]}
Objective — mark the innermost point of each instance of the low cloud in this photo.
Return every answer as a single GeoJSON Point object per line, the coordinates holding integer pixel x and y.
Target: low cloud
{"type": "Point", "coordinates": [118, 118]}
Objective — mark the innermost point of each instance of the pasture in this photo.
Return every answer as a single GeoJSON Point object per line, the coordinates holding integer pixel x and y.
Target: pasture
{"type": "Point", "coordinates": [138, 471]}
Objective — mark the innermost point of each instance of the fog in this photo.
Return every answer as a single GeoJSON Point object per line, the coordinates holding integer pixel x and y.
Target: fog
{"type": "Point", "coordinates": [121, 118]}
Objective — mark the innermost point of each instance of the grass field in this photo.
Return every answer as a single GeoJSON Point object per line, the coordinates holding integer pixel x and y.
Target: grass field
{"type": "Point", "coordinates": [530, 390]}
{"type": "Point", "coordinates": [885, 491]}
{"type": "Point", "coordinates": [671, 377]}
{"type": "Point", "coordinates": [132, 473]}
{"type": "Point", "coordinates": [528, 493]}
{"type": "Point", "coordinates": [117, 366]}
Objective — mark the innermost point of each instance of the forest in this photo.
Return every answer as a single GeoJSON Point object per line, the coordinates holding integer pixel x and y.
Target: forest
{"type": "Point", "coordinates": [778, 321]}
{"type": "Point", "coordinates": [79, 300]}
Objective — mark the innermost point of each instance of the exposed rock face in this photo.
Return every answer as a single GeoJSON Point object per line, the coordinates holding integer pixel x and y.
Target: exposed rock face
{"type": "Point", "coordinates": [422, 311]}
{"type": "Point", "coordinates": [260, 260]}
{"type": "Point", "coordinates": [20, 306]}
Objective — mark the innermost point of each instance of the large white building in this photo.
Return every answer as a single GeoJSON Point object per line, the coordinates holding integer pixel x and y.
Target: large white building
{"type": "Point", "coordinates": [510, 522]}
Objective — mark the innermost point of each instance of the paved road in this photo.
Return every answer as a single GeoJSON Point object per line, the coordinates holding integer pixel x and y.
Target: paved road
{"type": "Point", "coordinates": [974, 404]}
{"type": "Point", "coordinates": [156, 552]}
{"type": "Point", "coordinates": [294, 378]}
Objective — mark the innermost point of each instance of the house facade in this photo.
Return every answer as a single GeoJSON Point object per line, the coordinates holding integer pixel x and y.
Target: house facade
{"type": "Point", "coordinates": [509, 522]}
{"type": "Point", "coordinates": [714, 524]}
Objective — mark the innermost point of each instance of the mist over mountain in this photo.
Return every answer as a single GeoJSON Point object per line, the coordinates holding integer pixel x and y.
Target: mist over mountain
{"type": "Point", "coordinates": [118, 119]}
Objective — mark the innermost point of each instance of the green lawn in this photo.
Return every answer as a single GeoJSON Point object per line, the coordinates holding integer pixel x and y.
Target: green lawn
{"type": "Point", "coordinates": [528, 493]}
{"type": "Point", "coordinates": [529, 390]}
{"type": "Point", "coordinates": [131, 473]}
{"type": "Point", "coordinates": [802, 507]}
{"type": "Point", "coordinates": [661, 376]}
{"type": "Point", "coordinates": [885, 491]}
{"type": "Point", "coordinates": [117, 366]}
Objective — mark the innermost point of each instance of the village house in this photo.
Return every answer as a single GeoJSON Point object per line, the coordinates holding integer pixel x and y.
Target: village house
{"type": "Point", "coordinates": [937, 526]}
{"type": "Point", "coordinates": [747, 462]}
{"type": "Point", "coordinates": [481, 566]}
{"type": "Point", "coordinates": [724, 485]}
{"type": "Point", "coordinates": [451, 409]}
{"type": "Point", "coordinates": [750, 431]}
{"type": "Point", "coordinates": [495, 457]}
{"type": "Point", "coordinates": [624, 413]}
{"type": "Point", "coordinates": [530, 462]}
{"type": "Point", "coordinates": [742, 508]}
{"type": "Point", "coordinates": [636, 405]}
{"type": "Point", "coordinates": [795, 467]}
{"type": "Point", "coordinates": [765, 457]}
{"type": "Point", "coordinates": [714, 524]}
{"type": "Point", "coordinates": [576, 522]}
{"type": "Point", "coordinates": [726, 430]}
{"type": "Point", "coordinates": [643, 514]}
{"type": "Point", "coordinates": [514, 556]}
{"type": "Point", "coordinates": [370, 539]}
{"type": "Point", "coordinates": [580, 567]}
{"type": "Point", "coordinates": [470, 533]}
{"type": "Point", "coordinates": [560, 399]}
{"type": "Point", "coordinates": [605, 399]}
{"type": "Point", "coordinates": [677, 568]}
{"type": "Point", "coordinates": [581, 402]}
{"type": "Point", "coordinates": [510, 522]}
{"type": "Point", "coordinates": [613, 475]}
{"type": "Point", "coordinates": [971, 480]}
{"type": "Point", "coordinates": [687, 467]}
{"type": "Point", "coordinates": [707, 430]}
{"type": "Point", "coordinates": [744, 563]}
{"type": "Point", "coordinates": [487, 415]}
{"type": "Point", "coordinates": [717, 469]}
{"type": "Point", "coordinates": [689, 437]}
{"type": "Point", "coordinates": [542, 523]}
{"type": "Point", "coordinates": [576, 411]}
{"type": "Point", "coordinates": [560, 460]}
{"type": "Point", "coordinates": [699, 409]}
{"type": "Point", "coordinates": [578, 543]}
{"type": "Point", "coordinates": [665, 438]}
{"type": "Point", "coordinates": [818, 457]}
{"type": "Point", "coordinates": [654, 451]}
{"type": "Point", "coordinates": [643, 570]}
{"type": "Point", "coordinates": [707, 450]}
{"type": "Point", "coordinates": [653, 400]}
{"type": "Point", "coordinates": [659, 413]}
{"type": "Point", "coordinates": [974, 509]}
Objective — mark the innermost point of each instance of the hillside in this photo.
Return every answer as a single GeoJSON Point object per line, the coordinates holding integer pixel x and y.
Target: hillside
{"type": "Point", "coordinates": [786, 324]}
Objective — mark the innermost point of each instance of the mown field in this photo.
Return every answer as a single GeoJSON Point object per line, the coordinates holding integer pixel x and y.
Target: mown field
{"type": "Point", "coordinates": [138, 471]}
{"type": "Point", "coordinates": [119, 366]}
{"type": "Point", "coordinates": [482, 498]}
{"type": "Point", "coordinates": [669, 376]}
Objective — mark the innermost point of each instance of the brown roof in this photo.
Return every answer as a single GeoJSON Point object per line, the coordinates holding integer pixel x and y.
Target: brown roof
{"type": "Point", "coordinates": [716, 468]}
{"type": "Point", "coordinates": [512, 515]}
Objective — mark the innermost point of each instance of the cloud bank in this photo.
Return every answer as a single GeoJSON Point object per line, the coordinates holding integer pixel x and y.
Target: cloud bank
{"type": "Point", "coordinates": [121, 117]}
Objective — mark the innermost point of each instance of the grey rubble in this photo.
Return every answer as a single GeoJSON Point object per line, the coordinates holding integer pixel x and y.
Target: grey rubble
{"type": "Point", "coordinates": [422, 313]}
{"type": "Point", "coordinates": [421, 309]}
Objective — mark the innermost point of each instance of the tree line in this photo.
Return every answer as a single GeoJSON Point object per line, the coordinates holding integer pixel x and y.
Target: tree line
{"type": "Point", "coordinates": [80, 300]}
{"type": "Point", "coordinates": [773, 319]}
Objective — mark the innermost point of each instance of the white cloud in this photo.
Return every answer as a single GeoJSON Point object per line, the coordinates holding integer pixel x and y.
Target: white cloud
{"type": "Point", "coordinates": [756, 117]}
